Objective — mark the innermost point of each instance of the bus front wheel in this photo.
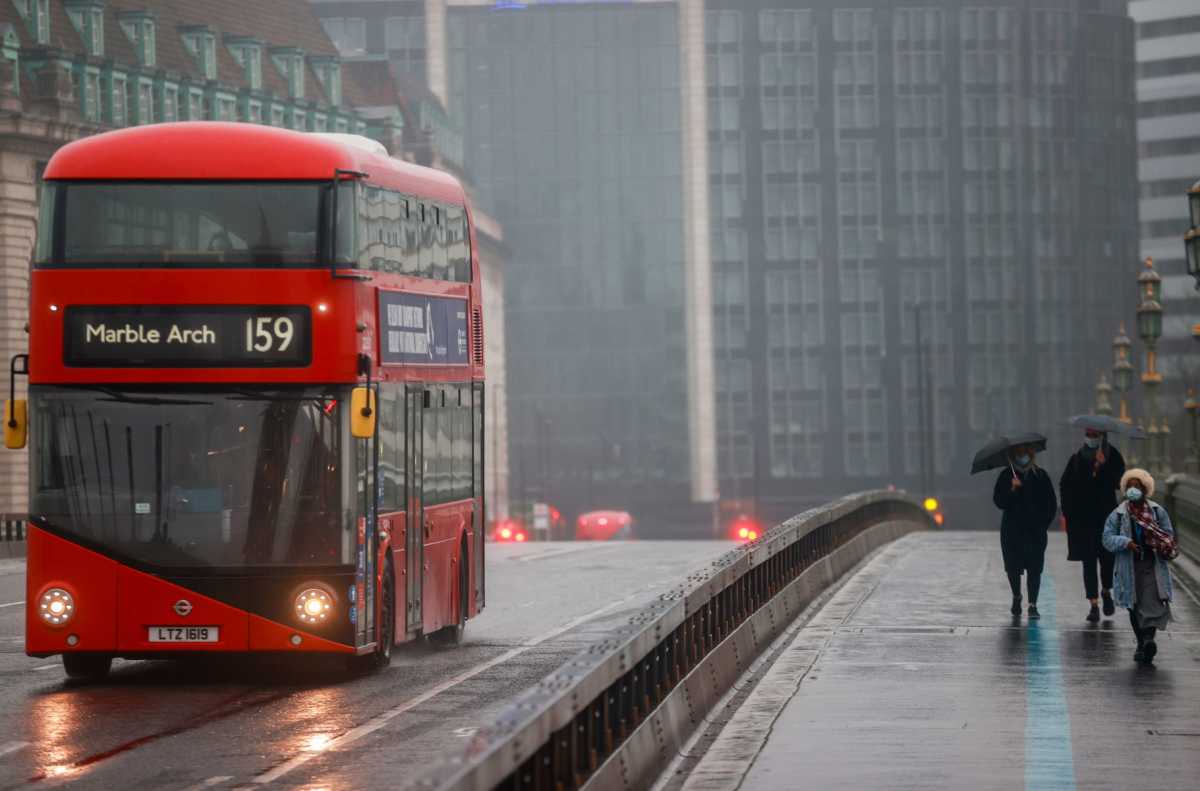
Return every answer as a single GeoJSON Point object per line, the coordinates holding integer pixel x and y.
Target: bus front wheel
{"type": "Point", "coordinates": [87, 667]}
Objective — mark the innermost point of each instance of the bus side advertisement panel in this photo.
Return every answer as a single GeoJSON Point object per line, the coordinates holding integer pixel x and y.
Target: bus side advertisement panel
{"type": "Point", "coordinates": [422, 329]}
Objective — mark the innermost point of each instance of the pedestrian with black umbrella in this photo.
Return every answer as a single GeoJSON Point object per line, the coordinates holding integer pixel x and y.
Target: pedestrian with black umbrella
{"type": "Point", "coordinates": [1025, 494]}
{"type": "Point", "coordinates": [1088, 493]}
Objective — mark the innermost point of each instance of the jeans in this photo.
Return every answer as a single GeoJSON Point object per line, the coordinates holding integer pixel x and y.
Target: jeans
{"type": "Point", "coordinates": [1091, 584]}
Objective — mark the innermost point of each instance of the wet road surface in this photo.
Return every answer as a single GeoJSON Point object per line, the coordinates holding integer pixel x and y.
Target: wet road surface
{"type": "Point", "coordinates": [235, 723]}
{"type": "Point", "coordinates": [914, 675]}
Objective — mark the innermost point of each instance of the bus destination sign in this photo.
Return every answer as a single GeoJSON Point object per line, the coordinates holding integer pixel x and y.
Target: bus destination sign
{"type": "Point", "coordinates": [187, 336]}
{"type": "Point", "coordinates": [419, 329]}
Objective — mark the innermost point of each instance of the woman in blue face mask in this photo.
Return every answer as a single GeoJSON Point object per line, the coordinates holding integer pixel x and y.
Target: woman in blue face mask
{"type": "Point", "coordinates": [1088, 493]}
{"type": "Point", "coordinates": [1026, 496]}
{"type": "Point", "coordinates": [1139, 533]}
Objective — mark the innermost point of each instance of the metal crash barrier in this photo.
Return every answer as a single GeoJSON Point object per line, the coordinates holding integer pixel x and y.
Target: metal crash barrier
{"type": "Point", "coordinates": [1182, 502]}
{"type": "Point", "coordinates": [614, 715]}
{"type": "Point", "coordinates": [12, 527]}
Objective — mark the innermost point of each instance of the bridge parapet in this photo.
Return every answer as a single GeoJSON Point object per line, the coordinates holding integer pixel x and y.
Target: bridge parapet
{"type": "Point", "coordinates": [1182, 502]}
{"type": "Point", "coordinates": [616, 713]}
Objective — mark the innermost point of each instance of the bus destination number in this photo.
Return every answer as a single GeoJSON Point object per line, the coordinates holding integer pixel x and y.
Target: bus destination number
{"type": "Point", "coordinates": [187, 336]}
{"type": "Point", "coordinates": [266, 334]}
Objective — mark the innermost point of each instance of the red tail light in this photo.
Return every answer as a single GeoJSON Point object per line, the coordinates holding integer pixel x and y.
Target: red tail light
{"type": "Point", "coordinates": [520, 537]}
{"type": "Point", "coordinates": [506, 533]}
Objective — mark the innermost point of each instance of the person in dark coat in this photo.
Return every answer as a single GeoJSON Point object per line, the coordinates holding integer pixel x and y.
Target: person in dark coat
{"type": "Point", "coordinates": [1088, 490]}
{"type": "Point", "coordinates": [1025, 493]}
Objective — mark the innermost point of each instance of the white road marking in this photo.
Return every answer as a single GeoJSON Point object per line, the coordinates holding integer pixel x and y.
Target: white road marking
{"type": "Point", "coordinates": [47, 667]}
{"type": "Point", "coordinates": [209, 783]}
{"type": "Point", "coordinates": [586, 546]}
{"type": "Point", "coordinates": [11, 604]}
{"type": "Point", "coordinates": [12, 747]}
{"type": "Point", "coordinates": [380, 720]}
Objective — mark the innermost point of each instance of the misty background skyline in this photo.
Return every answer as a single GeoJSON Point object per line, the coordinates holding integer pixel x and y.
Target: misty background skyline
{"type": "Point", "coordinates": [976, 164]}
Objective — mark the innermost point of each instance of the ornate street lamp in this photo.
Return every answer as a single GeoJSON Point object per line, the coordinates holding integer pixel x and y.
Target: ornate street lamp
{"type": "Point", "coordinates": [1103, 396]}
{"type": "Point", "coordinates": [1191, 242]}
{"type": "Point", "coordinates": [1193, 409]}
{"type": "Point", "coordinates": [1150, 321]}
{"type": "Point", "coordinates": [1122, 371]}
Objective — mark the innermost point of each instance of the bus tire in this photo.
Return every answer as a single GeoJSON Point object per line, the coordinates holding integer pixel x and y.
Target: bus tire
{"type": "Point", "coordinates": [87, 667]}
{"type": "Point", "coordinates": [452, 635]}
{"type": "Point", "coordinates": [387, 618]}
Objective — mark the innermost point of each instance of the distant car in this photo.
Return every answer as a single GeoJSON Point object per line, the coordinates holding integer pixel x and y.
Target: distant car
{"type": "Point", "coordinates": [509, 531]}
{"type": "Point", "coordinates": [745, 528]}
{"type": "Point", "coordinates": [604, 526]}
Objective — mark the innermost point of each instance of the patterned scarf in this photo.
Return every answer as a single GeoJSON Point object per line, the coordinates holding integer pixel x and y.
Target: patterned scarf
{"type": "Point", "coordinates": [1149, 534]}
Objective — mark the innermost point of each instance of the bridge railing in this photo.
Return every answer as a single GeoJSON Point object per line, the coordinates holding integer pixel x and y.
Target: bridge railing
{"type": "Point", "coordinates": [12, 527]}
{"type": "Point", "coordinates": [615, 714]}
{"type": "Point", "coordinates": [1182, 502]}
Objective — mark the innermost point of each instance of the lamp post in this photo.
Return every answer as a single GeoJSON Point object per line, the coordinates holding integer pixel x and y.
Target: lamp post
{"type": "Point", "coordinates": [1150, 319]}
{"type": "Point", "coordinates": [1191, 241]}
{"type": "Point", "coordinates": [1122, 371]}
{"type": "Point", "coordinates": [1103, 396]}
{"type": "Point", "coordinates": [1192, 464]}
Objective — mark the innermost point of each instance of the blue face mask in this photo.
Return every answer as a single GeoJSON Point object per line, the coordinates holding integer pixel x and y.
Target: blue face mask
{"type": "Point", "coordinates": [1092, 442]}
{"type": "Point", "coordinates": [1024, 460]}
{"type": "Point", "coordinates": [1134, 494]}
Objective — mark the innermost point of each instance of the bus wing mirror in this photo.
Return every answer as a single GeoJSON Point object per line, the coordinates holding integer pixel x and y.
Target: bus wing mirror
{"type": "Point", "coordinates": [362, 412]}
{"type": "Point", "coordinates": [16, 423]}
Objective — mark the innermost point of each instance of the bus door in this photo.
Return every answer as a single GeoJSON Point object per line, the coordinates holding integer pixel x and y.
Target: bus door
{"type": "Point", "coordinates": [414, 533]}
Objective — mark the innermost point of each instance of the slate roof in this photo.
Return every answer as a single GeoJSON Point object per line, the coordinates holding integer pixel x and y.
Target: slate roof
{"type": "Point", "coordinates": [276, 23]}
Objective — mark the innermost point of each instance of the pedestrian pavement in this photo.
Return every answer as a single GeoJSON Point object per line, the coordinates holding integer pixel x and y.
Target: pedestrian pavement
{"type": "Point", "coordinates": [915, 675]}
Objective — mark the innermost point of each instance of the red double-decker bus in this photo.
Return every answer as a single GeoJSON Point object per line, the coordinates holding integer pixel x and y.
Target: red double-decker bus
{"type": "Point", "coordinates": [255, 412]}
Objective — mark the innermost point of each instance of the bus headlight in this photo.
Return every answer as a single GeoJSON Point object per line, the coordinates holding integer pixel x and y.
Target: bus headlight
{"type": "Point", "coordinates": [56, 607]}
{"type": "Point", "coordinates": [314, 605]}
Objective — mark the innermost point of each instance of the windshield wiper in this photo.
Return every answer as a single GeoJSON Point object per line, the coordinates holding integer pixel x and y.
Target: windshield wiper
{"type": "Point", "coordinates": [123, 398]}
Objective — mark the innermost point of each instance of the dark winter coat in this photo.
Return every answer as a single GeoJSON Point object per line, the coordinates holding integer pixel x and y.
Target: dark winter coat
{"type": "Point", "coordinates": [1088, 499]}
{"type": "Point", "coordinates": [1028, 513]}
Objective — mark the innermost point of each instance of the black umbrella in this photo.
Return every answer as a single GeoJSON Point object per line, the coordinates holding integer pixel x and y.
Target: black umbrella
{"type": "Point", "coordinates": [1108, 424]}
{"type": "Point", "coordinates": [995, 454]}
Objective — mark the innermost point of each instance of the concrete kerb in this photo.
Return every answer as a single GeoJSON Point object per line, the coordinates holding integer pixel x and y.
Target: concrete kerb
{"type": "Point", "coordinates": [527, 726]}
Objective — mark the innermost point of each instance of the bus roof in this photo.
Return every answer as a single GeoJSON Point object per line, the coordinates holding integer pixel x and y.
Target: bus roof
{"type": "Point", "coordinates": [221, 151]}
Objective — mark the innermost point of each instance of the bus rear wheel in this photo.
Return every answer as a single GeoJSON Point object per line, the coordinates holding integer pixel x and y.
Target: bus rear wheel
{"type": "Point", "coordinates": [452, 635]}
{"type": "Point", "coordinates": [87, 667]}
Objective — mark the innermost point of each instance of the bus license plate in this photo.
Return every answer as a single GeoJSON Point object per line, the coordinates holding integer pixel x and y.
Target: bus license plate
{"type": "Point", "coordinates": [185, 634]}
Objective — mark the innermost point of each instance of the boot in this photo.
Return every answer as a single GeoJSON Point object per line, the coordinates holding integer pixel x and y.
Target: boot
{"type": "Point", "coordinates": [1094, 614]}
{"type": "Point", "coordinates": [1016, 606]}
{"type": "Point", "coordinates": [1109, 609]}
{"type": "Point", "coordinates": [1149, 648]}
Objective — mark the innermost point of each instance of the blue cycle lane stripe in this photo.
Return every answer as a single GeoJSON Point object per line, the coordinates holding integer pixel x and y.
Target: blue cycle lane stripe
{"type": "Point", "coordinates": [1049, 765]}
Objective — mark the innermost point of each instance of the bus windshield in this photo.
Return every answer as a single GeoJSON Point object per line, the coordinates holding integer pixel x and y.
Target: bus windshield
{"type": "Point", "coordinates": [194, 478]}
{"type": "Point", "coordinates": [183, 224]}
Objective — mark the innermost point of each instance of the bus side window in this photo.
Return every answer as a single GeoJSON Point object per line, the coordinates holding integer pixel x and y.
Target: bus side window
{"type": "Point", "coordinates": [368, 232]}
{"type": "Point", "coordinates": [424, 242]}
{"type": "Point", "coordinates": [429, 456]}
{"type": "Point", "coordinates": [392, 218]}
{"type": "Point", "coordinates": [462, 451]}
{"type": "Point", "coordinates": [456, 244]}
{"type": "Point", "coordinates": [409, 235]}
{"type": "Point", "coordinates": [441, 255]}
{"type": "Point", "coordinates": [391, 448]}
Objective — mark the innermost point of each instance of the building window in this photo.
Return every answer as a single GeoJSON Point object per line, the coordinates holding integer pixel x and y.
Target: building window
{"type": "Point", "coordinates": [88, 19]}
{"type": "Point", "coordinates": [248, 54]}
{"type": "Point", "coordinates": [349, 35]}
{"type": "Point", "coordinates": [170, 103]}
{"type": "Point", "coordinates": [139, 29]}
{"type": "Point", "coordinates": [277, 116]}
{"type": "Point", "coordinates": [117, 114]}
{"type": "Point", "coordinates": [289, 61]}
{"type": "Point", "coordinates": [202, 45]}
{"type": "Point", "coordinates": [254, 112]}
{"type": "Point", "coordinates": [196, 106]}
{"type": "Point", "coordinates": [91, 95]}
